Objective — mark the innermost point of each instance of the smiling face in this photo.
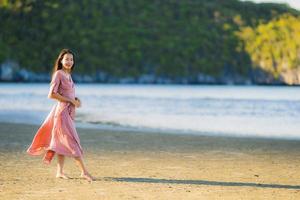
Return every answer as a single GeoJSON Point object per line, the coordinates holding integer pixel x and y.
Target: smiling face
{"type": "Point", "coordinates": [67, 61]}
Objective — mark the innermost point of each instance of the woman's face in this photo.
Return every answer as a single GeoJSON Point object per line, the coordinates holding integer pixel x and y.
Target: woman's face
{"type": "Point", "coordinates": [67, 61]}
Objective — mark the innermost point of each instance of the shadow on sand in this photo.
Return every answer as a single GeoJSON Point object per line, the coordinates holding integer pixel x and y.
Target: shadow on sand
{"type": "Point", "coordinates": [200, 182]}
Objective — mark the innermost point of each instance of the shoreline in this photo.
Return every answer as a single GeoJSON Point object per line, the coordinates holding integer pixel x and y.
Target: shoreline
{"type": "Point", "coordinates": [120, 128]}
{"type": "Point", "coordinates": [162, 84]}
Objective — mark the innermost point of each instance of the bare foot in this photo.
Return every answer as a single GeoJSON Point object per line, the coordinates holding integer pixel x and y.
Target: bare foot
{"type": "Point", "coordinates": [87, 176]}
{"type": "Point", "coordinates": [62, 175]}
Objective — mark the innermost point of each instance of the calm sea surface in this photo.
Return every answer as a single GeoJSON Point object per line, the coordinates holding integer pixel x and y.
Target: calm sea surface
{"type": "Point", "coordinates": [257, 111]}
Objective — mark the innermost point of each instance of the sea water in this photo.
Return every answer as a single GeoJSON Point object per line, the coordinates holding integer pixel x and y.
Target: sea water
{"type": "Point", "coordinates": [251, 111]}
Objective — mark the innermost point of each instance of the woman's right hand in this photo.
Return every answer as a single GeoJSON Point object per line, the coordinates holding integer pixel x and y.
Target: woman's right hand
{"type": "Point", "coordinates": [76, 103]}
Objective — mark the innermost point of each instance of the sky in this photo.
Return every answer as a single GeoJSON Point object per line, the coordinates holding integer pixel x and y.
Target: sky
{"type": "Point", "coordinates": [293, 3]}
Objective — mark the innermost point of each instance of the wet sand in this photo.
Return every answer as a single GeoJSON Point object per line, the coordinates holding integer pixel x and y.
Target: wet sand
{"type": "Point", "coordinates": [132, 165]}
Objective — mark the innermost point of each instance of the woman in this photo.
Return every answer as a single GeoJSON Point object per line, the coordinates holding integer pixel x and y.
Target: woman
{"type": "Point", "coordinates": [58, 135]}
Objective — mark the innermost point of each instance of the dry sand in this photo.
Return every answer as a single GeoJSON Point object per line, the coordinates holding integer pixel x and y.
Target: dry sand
{"type": "Point", "coordinates": [131, 165]}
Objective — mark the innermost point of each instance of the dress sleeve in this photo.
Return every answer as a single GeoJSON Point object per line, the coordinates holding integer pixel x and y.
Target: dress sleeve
{"type": "Point", "coordinates": [55, 82]}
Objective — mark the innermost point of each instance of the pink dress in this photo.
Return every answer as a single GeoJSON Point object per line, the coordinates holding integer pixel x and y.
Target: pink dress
{"type": "Point", "coordinates": [58, 134]}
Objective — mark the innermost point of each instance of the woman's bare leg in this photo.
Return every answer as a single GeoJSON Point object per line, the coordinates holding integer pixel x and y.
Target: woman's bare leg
{"type": "Point", "coordinates": [84, 173]}
{"type": "Point", "coordinates": [60, 167]}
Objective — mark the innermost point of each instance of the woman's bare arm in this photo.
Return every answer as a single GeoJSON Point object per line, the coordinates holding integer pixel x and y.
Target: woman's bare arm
{"type": "Point", "coordinates": [64, 99]}
{"type": "Point", "coordinates": [59, 97]}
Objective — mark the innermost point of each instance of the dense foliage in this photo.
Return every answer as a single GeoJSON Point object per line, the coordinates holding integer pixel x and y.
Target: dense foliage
{"type": "Point", "coordinates": [167, 38]}
{"type": "Point", "coordinates": [274, 46]}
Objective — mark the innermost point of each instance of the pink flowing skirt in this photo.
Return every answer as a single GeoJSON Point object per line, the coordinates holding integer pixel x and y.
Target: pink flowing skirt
{"type": "Point", "coordinates": [57, 134]}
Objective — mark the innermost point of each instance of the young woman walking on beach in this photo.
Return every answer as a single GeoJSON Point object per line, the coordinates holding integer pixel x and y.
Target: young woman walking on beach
{"type": "Point", "coordinates": [57, 134]}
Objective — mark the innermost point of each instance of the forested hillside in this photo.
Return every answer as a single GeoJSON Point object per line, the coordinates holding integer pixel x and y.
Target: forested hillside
{"type": "Point", "coordinates": [192, 41]}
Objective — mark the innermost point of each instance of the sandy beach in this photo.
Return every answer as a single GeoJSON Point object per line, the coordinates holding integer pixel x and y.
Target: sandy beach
{"type": "Point", "coordinates": [133, 165]}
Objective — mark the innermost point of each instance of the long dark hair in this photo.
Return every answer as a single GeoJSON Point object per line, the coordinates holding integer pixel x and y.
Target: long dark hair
{"type": "Point", "coordinates": [58, 65]}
